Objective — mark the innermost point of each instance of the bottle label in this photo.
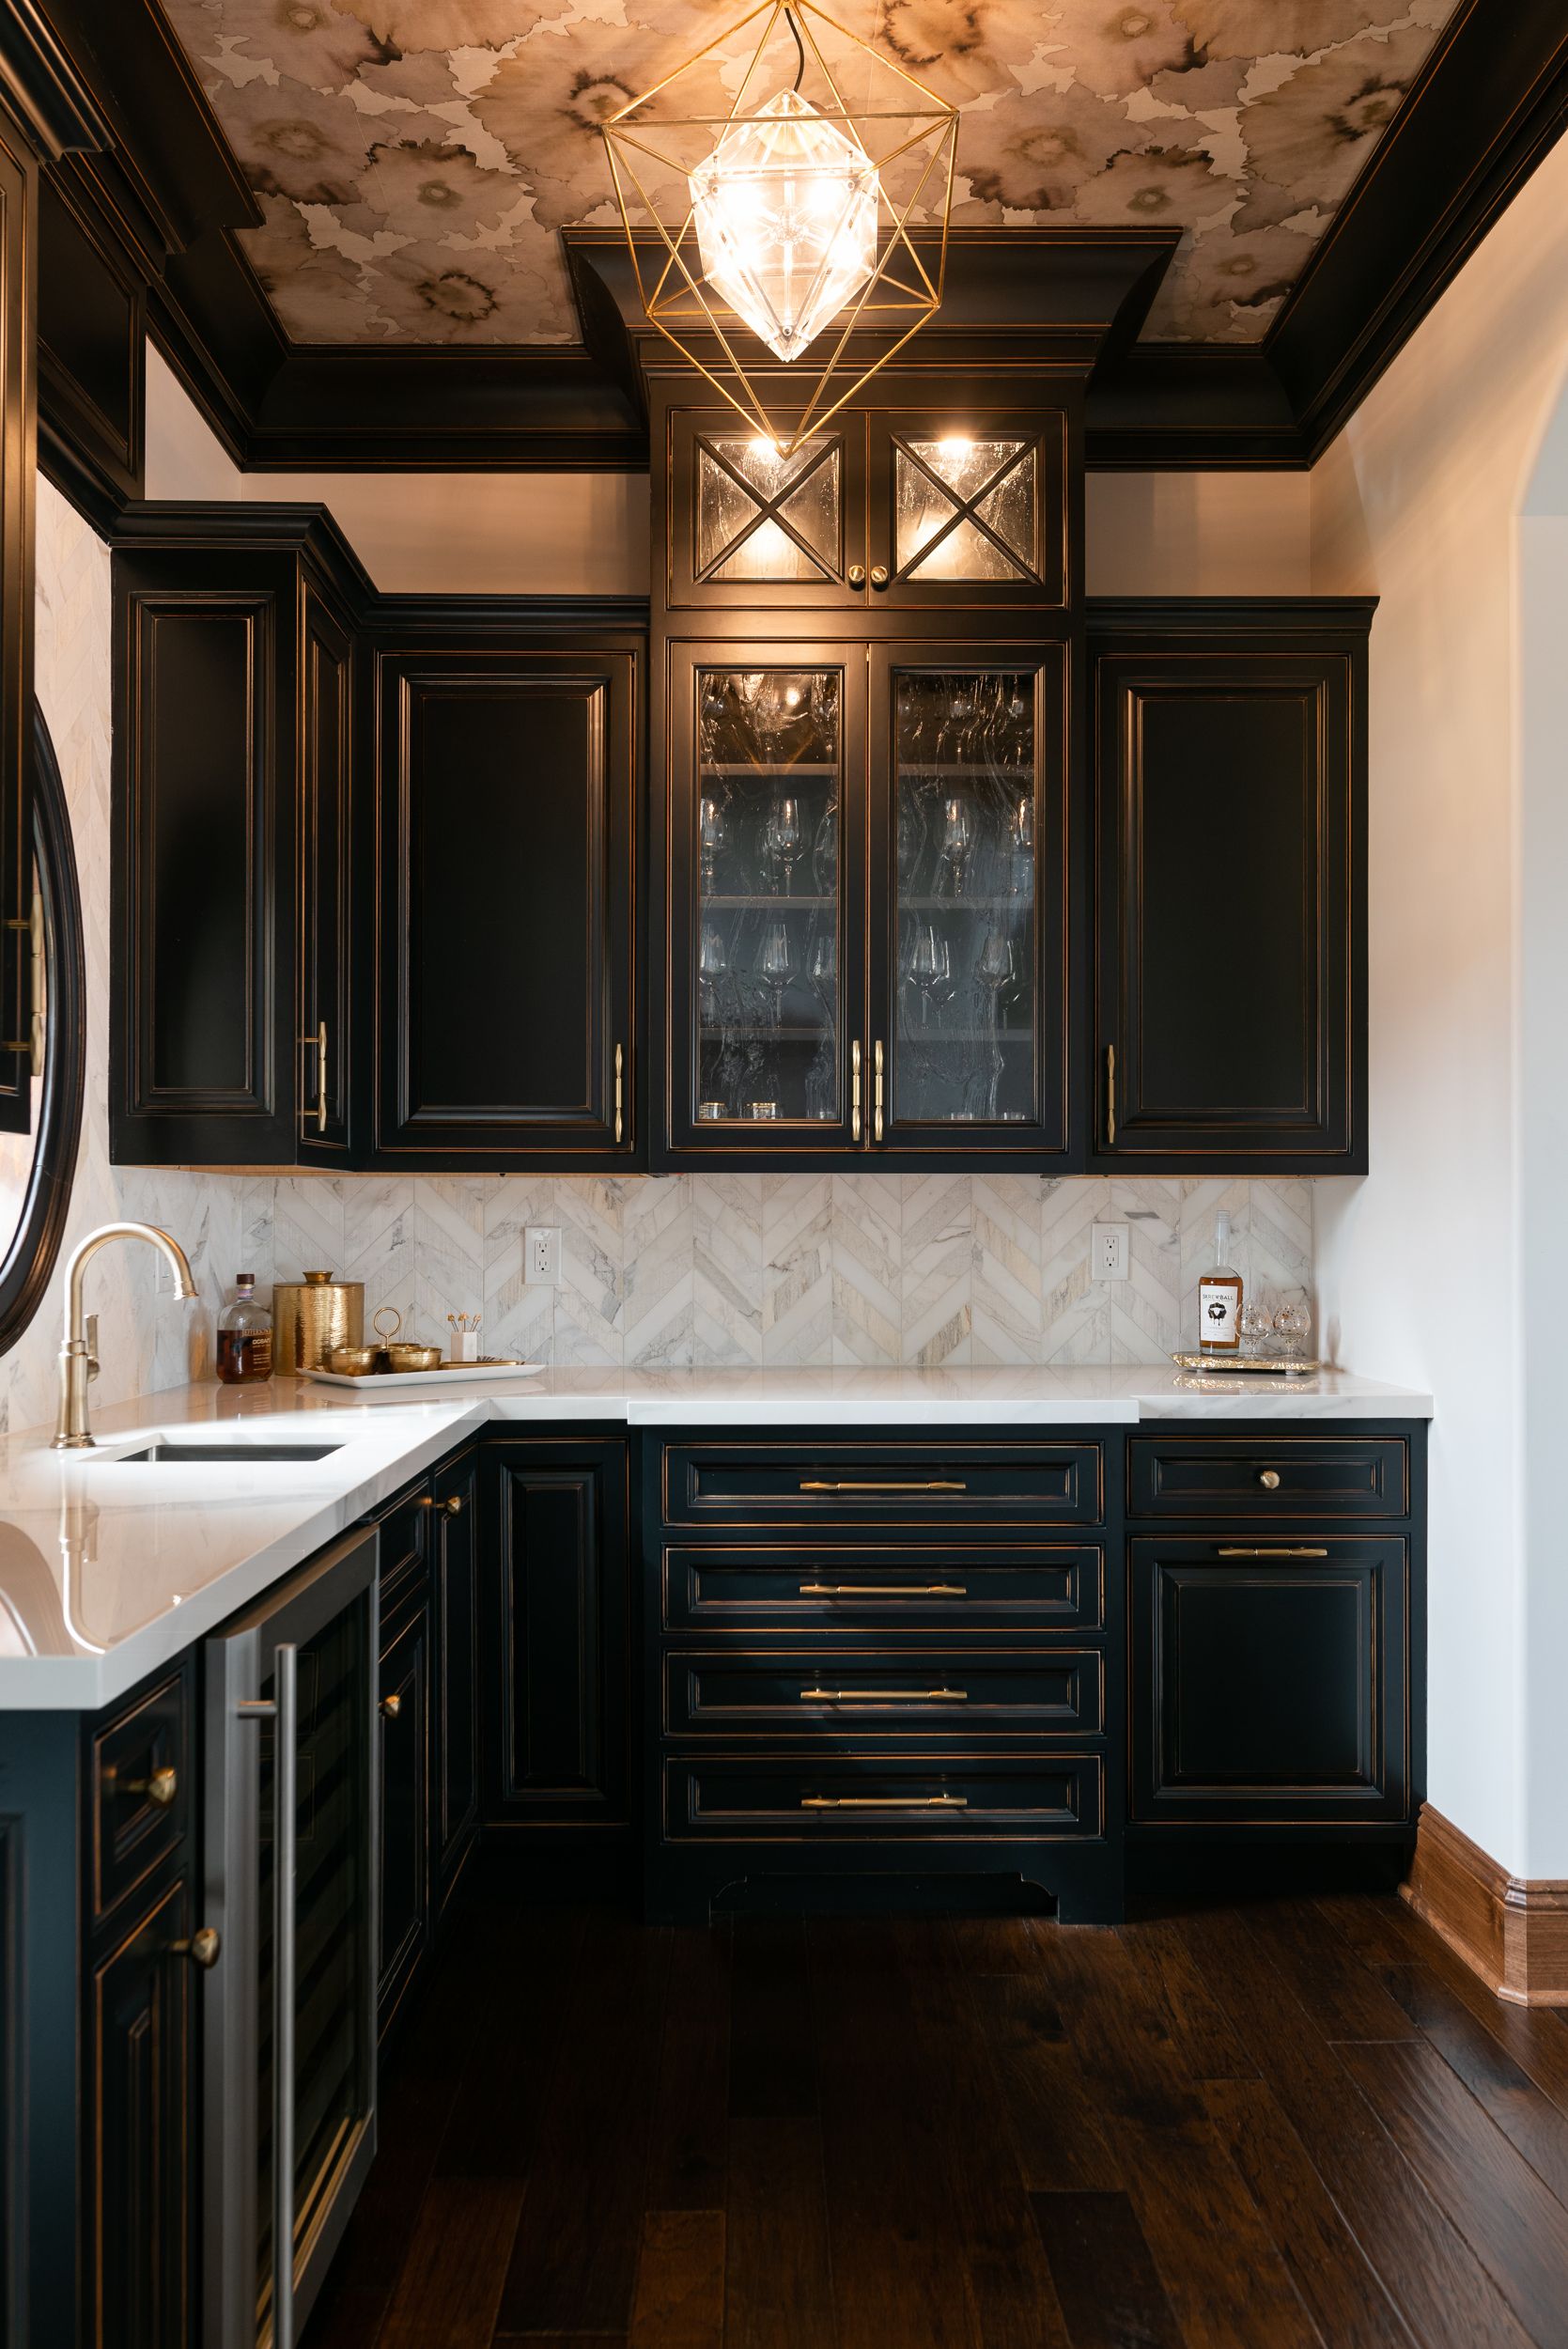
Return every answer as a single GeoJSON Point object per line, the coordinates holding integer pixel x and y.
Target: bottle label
{"type": "Point", "coordinates": [1218, 1305]}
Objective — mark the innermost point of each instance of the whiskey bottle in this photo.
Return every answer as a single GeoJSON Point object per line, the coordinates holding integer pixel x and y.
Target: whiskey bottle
{"type": "Point", "coordinates": [1219, 1296]}
{"type": "Point", "coordinates": [244, 1337]}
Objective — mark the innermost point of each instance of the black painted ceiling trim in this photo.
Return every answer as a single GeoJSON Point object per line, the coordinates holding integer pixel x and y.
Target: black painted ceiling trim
{"type": "Point", "coordinates": [1491, 102]}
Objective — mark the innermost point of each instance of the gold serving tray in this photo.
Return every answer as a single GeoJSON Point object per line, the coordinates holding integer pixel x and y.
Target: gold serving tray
{"type": "Point", "coordinates": [445, 1373]}
{"type": "Point", "coordinates": [1254, 1365]}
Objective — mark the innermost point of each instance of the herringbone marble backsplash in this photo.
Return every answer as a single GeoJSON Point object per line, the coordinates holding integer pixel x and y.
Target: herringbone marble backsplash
{"type": "Point", "coordinates": [698, 1269]}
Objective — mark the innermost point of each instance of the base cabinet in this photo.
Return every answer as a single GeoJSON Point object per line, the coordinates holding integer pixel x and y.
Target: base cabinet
{"type": "Point", "coordinates": [141, 2059]}
{"type": "Point", "coordinates": [455, 1597]}
{"type": "Point", "coordinates": [555, 1636]}
{"type": "Point", "coordinates": [404, 1699]}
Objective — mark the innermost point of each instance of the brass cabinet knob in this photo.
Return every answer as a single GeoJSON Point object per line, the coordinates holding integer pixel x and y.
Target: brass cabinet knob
{"type": "Point", "coordinates": [856, 574]}
{"type": "Point", "coordinates": [203, 1949]}
{"type": "Point", "coordinates": [392, 1706]}
{"type": "Point", "coordinates": [454, 1505]}
{"type": "Point", "coordinates": [1269, 1480]}
{"type": "Point", "coordinates": [160, 1789]}
{"type": "Point", "coordinates": [878, 574]}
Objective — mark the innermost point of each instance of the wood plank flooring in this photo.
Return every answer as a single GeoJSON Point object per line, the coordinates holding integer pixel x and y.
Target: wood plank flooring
{"type": "Point", "coordinates": [1269, 2125]}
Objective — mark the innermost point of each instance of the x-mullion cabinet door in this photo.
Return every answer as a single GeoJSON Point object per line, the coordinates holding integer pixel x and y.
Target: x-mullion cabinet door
{"type": "Point", "coordinates": [969, 505]}
{"type": "Point", "coordinates": [765, 987]}
{"type": "Point", "coordinates": [752, 529]}
{"type": "Point", "coordinates": [971, 1026]}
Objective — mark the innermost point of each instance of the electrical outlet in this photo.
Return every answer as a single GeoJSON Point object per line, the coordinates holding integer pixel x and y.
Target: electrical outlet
{"type": "Point", "coordinates": [1108, 1251]}
{"type": "Point", "coordinates": [541, 1256]}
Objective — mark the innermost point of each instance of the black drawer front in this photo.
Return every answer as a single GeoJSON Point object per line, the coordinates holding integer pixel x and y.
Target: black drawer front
{"type": "Point", "coordinates": [884, 1590]}
{"type": "Point", "coordinates": [895, 1482]}
{"type": "Point", "coordinates": [835, 1694]}
{"type": "Point", "coordinates": [1364, 1476]}
{"type": "Point", "coordinates": [405, 1529]}
{"type": "Point", "coordinates": [895, 1798]}
{"type": "Point", "coordinates": [143, 1773]}
{"type": "Point", "coordinates": [1270, 1680]}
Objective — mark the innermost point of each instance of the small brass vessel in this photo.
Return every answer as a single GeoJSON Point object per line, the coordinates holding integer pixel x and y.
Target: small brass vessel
{"type": "Point", "coordinates": [354, 1362]}
{"type": "Point", "coordinates": [311, 1317]}
{"type": "Point", "coordinates": [407, 1356]}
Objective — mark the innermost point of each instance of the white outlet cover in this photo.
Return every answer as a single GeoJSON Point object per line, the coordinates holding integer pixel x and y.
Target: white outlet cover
{"type": "Point", "coordinates": [541, 1255]}
{"type": "Point", "coordinates": [1108, 1251]}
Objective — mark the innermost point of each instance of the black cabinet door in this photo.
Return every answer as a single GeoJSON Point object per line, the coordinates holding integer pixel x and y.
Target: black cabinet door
{"type": "Point", "coordinates": [555, 1598]}
{"type": "Point", "coordinates": [1231, 814]}
{"type": "Point", "coordinates": [140, 2201]}
{"type": "Point", "coordinates": [503, 934]}
{"type": "Point", "coordinates": [17, 429]}
{"type": "Point", "coordinates": [972, 1001]}
{"type": "Point", "coordinates": [326, 879]}
{"type": "Point", "coordinates": [456, 1632]}
{"type": "Point", "coordinates": [1270, 1680]}
{"type": "Point", "coordinates": [971, 505]}
{"type": "Point", "coordinates": [404, 1693]}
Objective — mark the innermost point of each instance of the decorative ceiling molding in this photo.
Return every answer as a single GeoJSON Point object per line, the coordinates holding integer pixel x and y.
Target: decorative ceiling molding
{"type": "Point", "coordinates": [1489, 102]}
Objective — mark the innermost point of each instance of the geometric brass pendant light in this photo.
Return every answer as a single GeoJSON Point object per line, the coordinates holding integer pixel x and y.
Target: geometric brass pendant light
{"type": "Point", "coordinates": [785, 213]}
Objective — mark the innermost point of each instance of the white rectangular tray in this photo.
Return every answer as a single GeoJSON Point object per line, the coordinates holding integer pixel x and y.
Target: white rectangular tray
{"type": "Point", "coordinates": [446, 1374]}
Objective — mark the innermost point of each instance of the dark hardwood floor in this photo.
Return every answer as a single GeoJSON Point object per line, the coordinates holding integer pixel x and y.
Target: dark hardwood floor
{"type": "Point", "coordinates": [1269, 2125]}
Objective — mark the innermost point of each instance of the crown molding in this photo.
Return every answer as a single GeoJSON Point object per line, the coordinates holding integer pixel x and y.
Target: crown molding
{"type": "Point", "coordinates": [1489, 104]}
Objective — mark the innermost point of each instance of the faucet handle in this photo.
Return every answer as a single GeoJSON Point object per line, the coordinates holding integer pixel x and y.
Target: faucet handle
{"type": "Point", "coordinates": [90, 1331]}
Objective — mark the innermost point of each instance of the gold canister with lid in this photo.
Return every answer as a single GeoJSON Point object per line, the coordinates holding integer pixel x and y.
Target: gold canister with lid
{"type": "Point", "coordinates": [312, 1316]}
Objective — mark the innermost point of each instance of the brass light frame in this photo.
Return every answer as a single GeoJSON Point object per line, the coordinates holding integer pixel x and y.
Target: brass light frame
{"type": "Point", "coordinates": [902, 292]}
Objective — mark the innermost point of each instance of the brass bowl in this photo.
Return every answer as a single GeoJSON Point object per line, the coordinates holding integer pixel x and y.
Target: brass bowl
{"type": "Point", "coordinates": [406, 1356]}
{"type": "Point", "coordinates": [354, 1362]}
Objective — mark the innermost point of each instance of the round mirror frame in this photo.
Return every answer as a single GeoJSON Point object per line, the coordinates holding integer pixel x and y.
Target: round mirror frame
{"type": "Point", "coordinates": [29, 1261]}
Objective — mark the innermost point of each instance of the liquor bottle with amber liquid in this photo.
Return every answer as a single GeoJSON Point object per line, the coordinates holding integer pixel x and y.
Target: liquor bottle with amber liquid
{"type": "Point", "coordinates": [1219, 1296]}
{"type": "Point", "coordinates": [244, 1337]}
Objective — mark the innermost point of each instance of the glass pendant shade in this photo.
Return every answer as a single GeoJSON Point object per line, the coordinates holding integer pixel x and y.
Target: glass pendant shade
{"type": "Point", "coordinates": [785, 212]}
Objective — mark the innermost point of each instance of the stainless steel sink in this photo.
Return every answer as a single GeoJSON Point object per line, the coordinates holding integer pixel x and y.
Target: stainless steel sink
{"type": "Point", "coordinates": [165, 1453]}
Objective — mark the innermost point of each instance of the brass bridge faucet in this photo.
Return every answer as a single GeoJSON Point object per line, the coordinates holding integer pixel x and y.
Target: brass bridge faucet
{"type": "Point", "coordinates": [79, 1354]}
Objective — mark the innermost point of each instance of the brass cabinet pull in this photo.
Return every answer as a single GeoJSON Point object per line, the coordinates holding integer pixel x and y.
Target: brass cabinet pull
{"type": "Point", "coordinates": [160, 1789]}
{"type": "Point", "coordinates": [1110, 1096]}
{"type": "Point", "coordinates": [1269, 1480]}
{"type": "Point", "coordinates": [884, 1590]}
{"type": "Point", "coordinates": [203, 1949]}
{"type": "Point", "coordinates": [933, 1484]}
{"type": "Point", "coordinates": [877, 1091]}
{"type": "Point", "coordinates": [884, 1696]}
{"type": "Point", "coordinates": [451, 1508]}
{"type": "Point", "coordinates": [878, 574]}
{"type": "Point", "coordinates": [317, 1044]}
{"type": "Point", "coordinates": [884, 1802]}
{"type": "Point", "coordinates": [856, 574]}
{"type": "Point", "coordinates": [392, 1704]}
{"type": "Point", "coordinates": [33, 1044]}
{"type": "Point", "coordinates": [620, 1093]}
{"type": "Point", "coordinates": [1297, 1550]}
{"type": "Point", "coordinates": [855, 1090]}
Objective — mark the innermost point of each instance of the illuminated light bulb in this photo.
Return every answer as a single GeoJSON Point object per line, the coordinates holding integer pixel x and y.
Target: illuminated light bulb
{"type": "Point", "coordinates": [785, 212]}
{"type": "Point", "coordinates": [792, 696]}
{"type": "Point", "coordinates": [955, 447]}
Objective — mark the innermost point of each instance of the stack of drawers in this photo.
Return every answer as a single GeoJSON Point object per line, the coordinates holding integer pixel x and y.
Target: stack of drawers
{"type": "Point", "coordinates": [881, 1657]}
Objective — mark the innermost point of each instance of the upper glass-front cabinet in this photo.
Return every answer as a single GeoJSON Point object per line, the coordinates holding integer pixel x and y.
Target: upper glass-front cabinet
{"type": "Point", "coordinates": [906, 509]}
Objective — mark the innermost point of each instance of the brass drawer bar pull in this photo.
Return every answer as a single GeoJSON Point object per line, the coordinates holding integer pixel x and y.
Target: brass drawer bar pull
{"type": "Point", "coordinates": [884, 1590]}
{"type": "Point", "coordinates": [933, 1484]}
{"type": "Point", "coordinates": [884, 1696]}
{"type": "Point", "coordinates": [1296, 1552]}
{"type": "Point", "coordinates": [1110, 1096]}
{"type": "Point", "coordinates": [620, 1093]}
{"type": "Point", "coordinates": [877, 1091]}
{"type": "Point", "coordinates": [884, 1802]}
{"type": "Point", "coordinates": [855, 1090]}
{"type": "Point", "coordinates": [160, 1789]}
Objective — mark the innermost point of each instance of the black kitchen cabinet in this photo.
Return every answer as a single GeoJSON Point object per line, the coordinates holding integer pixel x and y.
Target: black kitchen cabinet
{"type": "Point", "coordinates": [455, 1606]}
{"type": "Point", "coordinates": [943, 501]}
{"type": "Point", "coordinates": [506, 878]}
{"type": "Point", "coordinates": [234, 826]}
{"type": "Point", "coordinates": [143, 2150]}
{"type": "Point", "coordinates": [18, 444]}
{"type": "Point", "coordinates": [556, 1617]}
{"type": "Point", "coordinates": [404, 1697]}
{"type": "Point", "coordinates": [869, 933]}
{"type": "Point", "coordinates": [1229, 769]}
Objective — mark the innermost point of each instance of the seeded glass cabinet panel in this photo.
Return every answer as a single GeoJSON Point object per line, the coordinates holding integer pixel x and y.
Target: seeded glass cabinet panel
{"type": "Point", "coordinates": [887, 508]}
{"type": "Point", "coordinates": [767, 850]}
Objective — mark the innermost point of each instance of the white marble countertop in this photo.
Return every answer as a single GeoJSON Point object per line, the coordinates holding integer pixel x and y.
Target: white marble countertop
{"type": "Point", "coordinates": [109, 1569]}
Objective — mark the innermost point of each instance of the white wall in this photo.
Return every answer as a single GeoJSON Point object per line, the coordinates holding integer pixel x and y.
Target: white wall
{"type": "Point", "coordinates": [498, 534]}
{"type": "Point", "coordinates": [1421, 1267]}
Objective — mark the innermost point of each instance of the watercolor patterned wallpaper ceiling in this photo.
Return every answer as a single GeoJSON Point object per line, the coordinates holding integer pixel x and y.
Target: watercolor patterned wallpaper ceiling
{"type": "Point", "coordinates": [415, 157]}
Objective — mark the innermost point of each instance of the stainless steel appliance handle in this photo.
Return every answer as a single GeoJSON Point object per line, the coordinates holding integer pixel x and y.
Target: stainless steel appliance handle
{"type": "Point", "coordinates": [285, 1824]}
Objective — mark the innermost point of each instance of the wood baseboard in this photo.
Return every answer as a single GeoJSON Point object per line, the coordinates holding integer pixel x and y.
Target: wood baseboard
{"type": "Point", "coordinates": [1513, 1931]}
